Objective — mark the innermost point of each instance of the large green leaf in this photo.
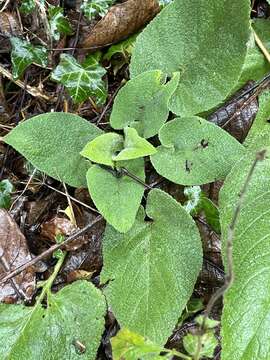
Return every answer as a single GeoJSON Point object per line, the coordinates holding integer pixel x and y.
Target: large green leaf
{"type": "Point", "coordinates": [52, 143]}
{"type": "Point", "coordinates": [146, 97]}
{"type": "Point", "coordinates": [259, 134]}
{"type": "Point", "coordinates": [246, 314]}
{"type": "Point", "coordinates": [74, 316]}
{"type": "Point", "coordinates": [205, 40]}
{"type": "Point", "coordinates": [58, 23]}
{"type": "Point", "coordinates": [82, 80]}
{"type": "Point", "coordinates": [152, 269]}
{"type": "Point", "coordinates": [117, 196]}
{"type": "Point", "coordinates": [195, 152]}
{"type": "Point", "coordinates": [24, 54]}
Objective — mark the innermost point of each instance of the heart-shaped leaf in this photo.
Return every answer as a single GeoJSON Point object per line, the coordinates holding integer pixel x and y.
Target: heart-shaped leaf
{"type": "Point", "coordinates": [195, 152]}
{"type": "Point", "coordinates": [52, 143]}
{"type": "Point", "coordinates": [153, 267]}
{"type": "Point", "coordinates": [69, 328]}
{"type": "Point", "coordinates": [82, 80]}
{"type": "Point", "coordinates": [134, 146]}
{"type": "Point", "coordinates": [146, 97]}
{"type": "Point", "coordinates": [246, 314]}
{"type": "Point", "coordinates": [24, 54]}
{"type": "Point", "coordinates": [103, 148]}
{"type": "Point", "coordinates": [208, 44]}
{"type": "Point", "coordinates": [117, 197]}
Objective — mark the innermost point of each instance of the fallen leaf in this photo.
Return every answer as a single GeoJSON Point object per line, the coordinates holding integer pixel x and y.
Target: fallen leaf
{"type": "Point", "coordinates": [9, 24]}
{"type": "Point", "coordinates": [121, 21]}
{"type": "Point", "coordinates": [13, 253]}
{"type": "Point", "coordinates": [62, 226]}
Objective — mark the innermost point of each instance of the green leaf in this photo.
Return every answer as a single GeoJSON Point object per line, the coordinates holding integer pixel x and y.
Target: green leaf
{"type": "Point", "coordinates": [124, 48]}
{"type": "Point", "coordinates": [207, 46]}
{"type": "Point", "coordinates": [146, 113]}
{"type": "Point", "coordinates": [58, 23]}
{"type": "Point", "coordinates": [27, 6]}
{"type": "Point", "coordinates": [81, 81]}
{"type": "Point", "coordinates": [256, 66]}
{"type": "Point", "coordinates": [208, 344]}
{"type": "Point", "coordinates": [209, 323]}
{"type": "Point", "coordinates": [74, 315]}
{"type": "Point", "coordinates": [246, 314]}
{"type": "Point", "coordinates": [259, 134]}
{"type": "Point", "coordinates": [130, 346]}
{"type": "Point", "coordinates": [117, 197]}
{"type": "Point", "coordinates": [103, 148]}
{"type": "Point", "coordinates": [195, 152]}
{"type": "Point", "coordinates": [163, 3]}
{"type": "Point", "coordinates": [6, 188]}
{"type": "Point", "coordinates": [198, 202]}
{"type": "Point", "coordinates": [153, 267]}
{"type": "Point", "coordinates": [24, 54]}
{"type": "Point", "coordinates": [52, 143]}
{"type": "Point", "coordinates": [93, 8]}
{"type": "Point", "coordinates": [134, 146]}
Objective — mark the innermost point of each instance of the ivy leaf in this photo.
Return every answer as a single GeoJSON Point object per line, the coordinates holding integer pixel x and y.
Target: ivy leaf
{"type": "Point", "coordinates": [27, 6]}
{"type": "Point", "coordinates": [124, 48]}
{"type": "Point", "coordinates": [109, 192]}
{"type": "Point", "coordinates": [195, 152]}
{"type": "Point", "coordinates": [245, 336]}
{"type": "Point", "coordinates": [93, 8]}
{"type": "Point", "coordinates": [129, 346]}
{"type": "Point", "coordinates": [208, 344]}
{"type": "Point", "coordinates": [81, 81]}
{"type": "Point", "coordinates": [134, 146]}
{"type": "Point", "coordinates": [146, 113]}
{"type": "Point", "coordinates": [198, 202]}
{"type": "Point", "coordinates": [52, 143]}
{"type": "Point", "coordinates": [102, 149]}
{"type": "Point", "coordinates": [24, 54]}
{"type": "Point", "coordinates": [6, 188]}
{"type": "Point", "coordinates": [207, 47]}
{"type": "Point", "coordinates": [164, 2]}
{"type": "Point", "coordinates": [154, 267]}
{"type": "Point", "coordinates": [74, 316]}
{"type": "Point", "coordinates": [58, 23]}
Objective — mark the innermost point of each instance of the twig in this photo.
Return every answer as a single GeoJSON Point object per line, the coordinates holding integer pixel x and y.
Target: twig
{"type": "Point", "coordinates": [30, 89]}
{"type": "Point", "coordinates": [48, 252]}
{"type": "Point", "coordinates": [229, 278]}
{"type": "Point", "coordinates": [261, 46]}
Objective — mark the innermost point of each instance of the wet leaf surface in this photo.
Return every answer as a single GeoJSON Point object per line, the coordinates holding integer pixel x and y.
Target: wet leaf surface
{"type": "Point", "coordinates": [13, 253]}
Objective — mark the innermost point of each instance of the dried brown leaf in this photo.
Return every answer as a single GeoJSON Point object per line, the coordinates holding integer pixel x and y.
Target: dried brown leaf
{"type": "Point", "coordinates": [121, 21]}
{"type": "Point", "coordinates": [236, 116]}
{"type": "Point", "coordinates": [62, 226]}
{"type": "Point", "coordinates": [13, 253]}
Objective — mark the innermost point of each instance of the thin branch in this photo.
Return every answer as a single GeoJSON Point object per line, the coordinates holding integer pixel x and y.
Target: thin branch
{"type": "Point", "coordinates": [229, 278]}
{"type": "Point", "coordinates": [261, 46]}
{"type": "Point", "coordinates": [48, 252]}
{"type": "Point", "coordinates": [30, 89]}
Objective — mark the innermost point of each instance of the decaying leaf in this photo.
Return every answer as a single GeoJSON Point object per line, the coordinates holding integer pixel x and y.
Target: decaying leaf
{"type": "Point", "coordinates": [4, 110]}
{"type": "Point", "coordinates": [13, 253]}
{"type": "Point", "coordinates": [121, 21]}
{"type": "Point", "coordinates": [62, 226]}
{"type": "Point", "coordinates": [237, 115]}
{"type": "Point", "coordinates": [9, 25]}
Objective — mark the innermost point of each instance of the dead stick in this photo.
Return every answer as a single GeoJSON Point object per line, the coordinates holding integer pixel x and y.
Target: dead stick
{"type": "Point", "coordinates": [53, 248]}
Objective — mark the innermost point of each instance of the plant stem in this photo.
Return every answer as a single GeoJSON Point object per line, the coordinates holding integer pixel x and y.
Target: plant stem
{"type": "Point", "coordinates": [229, 250]}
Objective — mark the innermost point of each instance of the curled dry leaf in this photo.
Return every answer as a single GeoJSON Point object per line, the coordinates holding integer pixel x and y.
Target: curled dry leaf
{"type": "Point", "coordinates": [9, 26]}
{"type": "Point", "coordinates": [13, 253]}
{"type": "Point", "coordinates": [62, 226]}
{"type": "Point", "coordinates": [237, 115]}
{"type": "Point", "coordinates": [121, 21]}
